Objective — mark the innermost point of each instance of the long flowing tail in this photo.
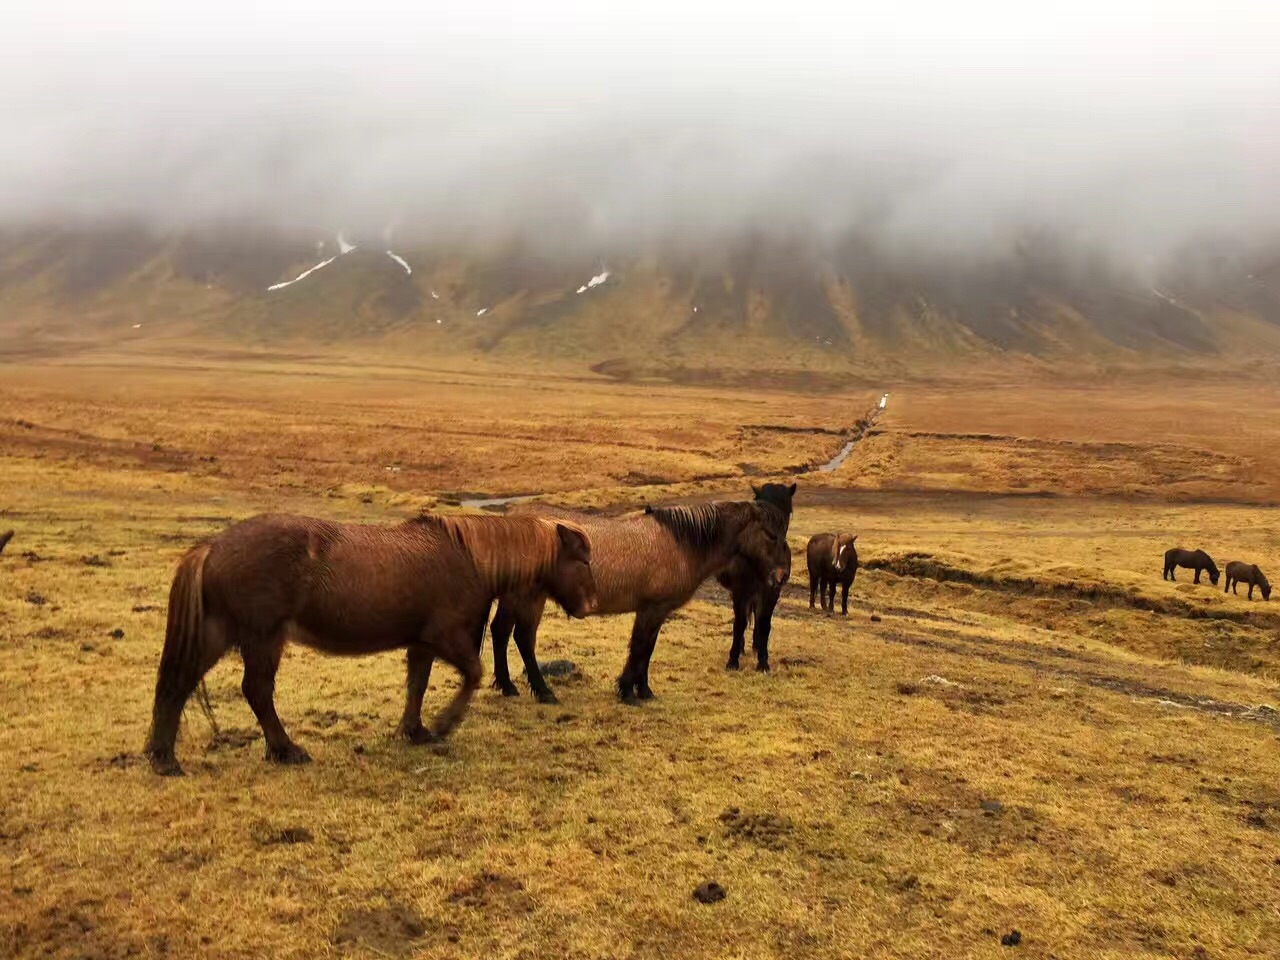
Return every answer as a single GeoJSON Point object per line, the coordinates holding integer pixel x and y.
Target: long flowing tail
{"type": "Point", "coordinates": [183, 660]}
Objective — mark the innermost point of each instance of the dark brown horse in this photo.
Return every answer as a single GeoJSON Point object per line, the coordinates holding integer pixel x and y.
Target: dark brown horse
{"type": "Point", "coordinates": [832, 559]}
{"type": "Point", "coordinates": [425, 585]}
{"type": "Point", "coordinates": [650, 564]}
{"type": "Point", "coordinates": [4, 539]}
{"type": "Point", "coordinates": [1196, 560]}
{"type": "Point", "coordinates": [1249, 573]}
{"type": "Point", "coordinates": [752, 595]}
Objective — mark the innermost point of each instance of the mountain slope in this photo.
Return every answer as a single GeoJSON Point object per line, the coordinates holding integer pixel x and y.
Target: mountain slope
{"type": "Point", "coordinates": [762, 303]}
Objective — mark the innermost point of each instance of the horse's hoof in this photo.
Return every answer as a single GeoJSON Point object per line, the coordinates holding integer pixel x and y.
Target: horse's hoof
{"type": "Point", "coordinates": [546, 696]}
{"type": "Point", "coordinates": [166, 766]}
{"type": "Point", "coordinates": [291, 755]}
{"type": "Point", "coordinates": [630, 699]}
{"type": "Point", "coordinates": [732, 665]}
{"type": "Point", "coordinates": [762, 668]}
{"type": "Point", "coordinates": [644, 693]}
{"type": "Point", "coordinates": [510, 690]}
{"type": "Point", "coordinates": [418, 736]}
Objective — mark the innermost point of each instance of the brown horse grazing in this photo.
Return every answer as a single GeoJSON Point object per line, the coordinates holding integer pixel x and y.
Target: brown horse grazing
{"type": "Point", "coordinates": [4, 539]}
{"type": "Point", "coordinates": [650, 564]}
{"type": "Point", "coordinates": [1249, 573]}
{"type": "Point", "coordinates": [833, 559]}
{"type": "Point", "coordinates": [1196, 560]}
{"type": "Point", "coordinates": [752, 595]}
{"type": "Point", "coordinates": [425, 585]}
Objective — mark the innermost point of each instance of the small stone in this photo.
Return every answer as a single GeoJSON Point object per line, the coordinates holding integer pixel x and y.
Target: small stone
{"type": "Point", "coordinates": [1011, 939]}
{"type": "Point", "coordinates": [875, 618]}
{"type": "Point", "coordinates": [991, 807]}
{"type": "Point", "coordinates": [708, 892]}
{"type": "Point", "coordinates": [358, 749]}
{"type": "Point", "coordinates": [117, 634]}
{"type": "Point", "coordinates": [86, 647]}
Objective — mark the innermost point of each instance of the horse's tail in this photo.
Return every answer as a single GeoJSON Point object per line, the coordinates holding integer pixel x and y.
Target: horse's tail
{"type": "Point", "coordinates": [182, 662]}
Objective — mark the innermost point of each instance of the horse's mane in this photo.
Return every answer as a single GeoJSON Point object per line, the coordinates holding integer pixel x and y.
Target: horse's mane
{"type": "Point", "coordinates": [701, 527]}
{"type": "Point", "coordinates": [509, 551]}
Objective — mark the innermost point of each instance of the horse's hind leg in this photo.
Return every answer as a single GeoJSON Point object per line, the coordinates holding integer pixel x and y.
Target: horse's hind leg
{"type": "Point", "coordinates": [172, 693]}
{"type": "Point", "coordinates": [741, 612]}
{"type": "Point", "coordinates": [261, 657]}
{"type": "Point", "coordinates": [1197, 577]}
{"type": "Point", "coordinates": [503, 623]}
{"type": "Point", "coordinates": [417, 677]}
{"type": "Point", "coordinates": [813, 589]}
{"type": "Point", "coordinates": [457, 650]}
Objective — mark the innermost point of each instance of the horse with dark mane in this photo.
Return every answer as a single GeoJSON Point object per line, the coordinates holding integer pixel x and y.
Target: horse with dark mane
{"type": "Point", "coordinates": [752, 595]}
{"type": "Point", "coordinates": [650, 564]}
{"type": "Point", "coordinates": [1196, 560]}
{"type": "Point", "coordinates": [425, 585]}
{"type": "Point", "coordinates": [832, 559]}
{"type": "Point", "coordinates": [1249, 573]}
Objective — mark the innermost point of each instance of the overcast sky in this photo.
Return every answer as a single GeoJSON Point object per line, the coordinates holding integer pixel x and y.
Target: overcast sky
{"type": "Point", "coordinates": [944, 126]}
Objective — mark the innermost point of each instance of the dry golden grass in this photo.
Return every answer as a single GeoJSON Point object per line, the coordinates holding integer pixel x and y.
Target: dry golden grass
{"type": "Point", "coordinates": [839, 799]}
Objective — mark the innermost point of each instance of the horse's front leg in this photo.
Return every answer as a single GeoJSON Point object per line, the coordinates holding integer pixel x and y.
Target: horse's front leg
{"type": "Point", "coordinates": [764, 625]}
{"type": "Point", "coordinates": [741, 611]}
{"type": "Point", "coordinates": [418, 663]}
{"type": "Point", "coordinates": [844, 599]}
{"type": "Point", "coordinates": [633, 682]}
{"type": "Point", "coordinates": [527, 622]}
{"type": "Point", "coordinates": [504, 622]}
{"type": "Point", "coordinates": [1197, 577]}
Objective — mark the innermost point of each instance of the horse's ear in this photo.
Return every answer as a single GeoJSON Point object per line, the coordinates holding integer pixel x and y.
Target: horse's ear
{"type": "Point", "coordinates": [853, 538]}
{"type": "Point", "coordinates": [755, 491]}
{"type": "Point", "coordinates": [573, 538]}
{"type": "Point", "coordinates": [793, 488]}
{"type": "Point", "coordinates": [648, 509]}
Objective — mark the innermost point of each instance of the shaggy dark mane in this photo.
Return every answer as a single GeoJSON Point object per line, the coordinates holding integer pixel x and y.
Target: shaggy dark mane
{"type": "Point", "coordinates": [701, 527]}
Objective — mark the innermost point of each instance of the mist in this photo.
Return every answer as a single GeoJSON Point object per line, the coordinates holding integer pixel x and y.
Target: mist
{"type": "Point", "coordinates": [937, 129]}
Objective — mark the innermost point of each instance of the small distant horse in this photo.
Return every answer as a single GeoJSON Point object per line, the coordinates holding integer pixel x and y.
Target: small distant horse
{"type": "Point", "coordinates": [4, 539]}
{"type": "Point", "coordinates": [833, 559]}
{"type": "Point", "coordinates": [752, 596]}
{"type": "Point", "coordinates": [650, 564]}
{"type": "Point", "coordinates": [1196, 560]}
{"type": "Point", "coordinates": [425, 585]}
{"type": "Point", "coordinates": [1249, 573]}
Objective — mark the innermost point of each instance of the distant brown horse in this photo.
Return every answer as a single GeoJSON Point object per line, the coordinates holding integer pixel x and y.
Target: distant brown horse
{"type": "Point", "coordinates": [1196, 560]}
{"type": "Point", "coordinates": [650, 564]}
{"type": "Point", "coordinates": [752, 595]}
{"type": "Point", "coordinates": [1249, 573]}
{"type": "Point", "coordinates": [425, 585]}
{"type": "Point", "coordinates": [4, 539]}
{"type": "Point", "coordinates": [832, 559]}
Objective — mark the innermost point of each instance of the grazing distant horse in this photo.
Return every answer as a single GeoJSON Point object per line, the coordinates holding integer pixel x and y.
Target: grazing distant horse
{"type": "Point", "coordinates": [833, 559]}
{"type": "Point", "coordinates": [1196, 560]}
{"type": "Point", "coordinates": [425, 585]}
{"type": "Point", "coordinates": [4, 539]}
{"type": "Point", "coordinates": [752, 595]}
{"type": "Point", "coordinates": [1249, 573]}
{"type": "Point", "coordinates": [650, 564]}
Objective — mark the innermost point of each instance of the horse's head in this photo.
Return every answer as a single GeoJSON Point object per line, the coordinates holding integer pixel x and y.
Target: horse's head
{"type": "Point", "coordinates": [765, 547]}
{"type": "Point", "coordinates": [571, 582]}
{"type": "Point", "coordinates": [777, 494]}
{"type": "Point", "coordinates": [1213, 574]}
{"type": "Point", "coordinates": [846, 554]}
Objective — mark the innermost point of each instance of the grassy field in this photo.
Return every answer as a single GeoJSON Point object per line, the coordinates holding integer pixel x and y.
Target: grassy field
{"type": "Point", "coordinates": [1019, 725]}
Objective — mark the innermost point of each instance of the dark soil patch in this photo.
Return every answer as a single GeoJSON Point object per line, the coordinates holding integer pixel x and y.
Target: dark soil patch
{"type": "Point", "coordinates": [486, 888]}
{"type": "Point", "coordinates": [384, 931]}
{"type": "Point", "coordinates": [93, 560]}
{"type": "Point", "coordinates": [266, 834]}
{"type": "Point", "coordinates": [768, 830]}
{"type": "Point", "coordinates": [232, 739]}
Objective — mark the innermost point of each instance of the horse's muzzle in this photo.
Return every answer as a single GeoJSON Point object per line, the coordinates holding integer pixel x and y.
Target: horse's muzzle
{"type": "Point", "coordinates": [779, 577]}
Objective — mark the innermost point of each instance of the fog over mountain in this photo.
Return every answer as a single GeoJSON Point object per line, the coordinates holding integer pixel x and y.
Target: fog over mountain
{"type": "Point", "coordinates": [937, 129]}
